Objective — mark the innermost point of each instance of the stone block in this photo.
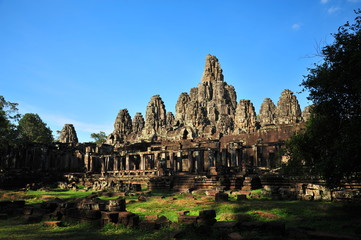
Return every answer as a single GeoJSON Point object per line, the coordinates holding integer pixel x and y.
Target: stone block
{"type": "Point", "coordinates": [163, 221]}
{"type": "Point", "coordinates": [220, 197]}
{"type": "Point", "coordinates": [207, 214]}
{"type": "Point", "coordinates": [116, 204]}
{"type": "Point", "coordinates": [110, 216]}
{"type": "Point", "coordinates": [90, 214]}
{"type": "Point", "coordinates": [148, 225]}
{"type": "Point", "coordinates": [241, 197]}
{"type": "Point", "coordinates": [128, 219]}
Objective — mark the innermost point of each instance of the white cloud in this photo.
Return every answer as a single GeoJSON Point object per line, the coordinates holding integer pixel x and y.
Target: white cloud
{"type": "Point", "coordinates": [60, 120]}
{"type": "Point", "coordinates": [324, 1]}
{"type": "Point", "coordinates": [296, 26]}
{"type": "Point", "coordinates": [332, 10]}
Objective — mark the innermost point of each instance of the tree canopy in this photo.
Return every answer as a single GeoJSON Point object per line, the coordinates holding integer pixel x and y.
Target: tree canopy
{"type": "Point", "coordinates": [33, 129]}
{"type": "Point", "coordinates": [99, 138]}
{"type": "Point", "coordinates": [331, 144]}
{"type": "Point", "coordinates": [8, 116]}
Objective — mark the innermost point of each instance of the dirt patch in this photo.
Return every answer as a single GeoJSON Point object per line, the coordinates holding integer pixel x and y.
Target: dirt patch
{"type": "Point", "coordinates": [46, 197]}
{"type": "Point", "coordinates": [266, 215]}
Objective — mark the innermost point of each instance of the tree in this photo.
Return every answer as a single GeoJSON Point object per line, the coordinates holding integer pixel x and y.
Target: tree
{"type": "Point", "coordinates": [8, 116]}
{"type": "Point", "coordinates": [33, 129]}
{"type": "Point", "coordinates": [99, 138]}
{"type": "Point", "coordinates": [331, 143]}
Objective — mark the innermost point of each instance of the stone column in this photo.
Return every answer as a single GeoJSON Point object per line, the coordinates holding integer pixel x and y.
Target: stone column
{"type": "Point", "coordinates": [224, 157]}
{"type": "Point", "coordinates": [127, 162]}
{"type": "Point", "coordinates": [164, 159]}
{"type": "Point", "coordinates": [211, 157]}
{"type": "Point", "coordinates": [233, 157]}
{"type": "Point", "coordinates": [171, 160]}
{"type": "Point", "coordinates": [197, 162]}
{"type": "Point", "coordinates": [191, 161]}
{"type": "Point", "coordinates": [142, 162]}
{"type": "Point", "coordinates": [205, 160]}
{"type": "Point", "coordinates": [179, 161]}
{"type": "Point", "coordinates": [255, 150]}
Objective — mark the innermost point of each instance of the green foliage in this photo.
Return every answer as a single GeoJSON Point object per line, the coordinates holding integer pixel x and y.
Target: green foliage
{"type": "Point", "coordinates": [8, 115]}
{"type": "Point", "coordinates": [33, 129]}
{"type": "Point", "coordinates": [99, 138]}
{"type": "Point", "coordinates": [330, 145]}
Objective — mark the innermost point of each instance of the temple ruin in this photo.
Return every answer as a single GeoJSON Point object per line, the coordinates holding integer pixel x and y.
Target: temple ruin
{"type": "Point", "coordinates": [211, 141]}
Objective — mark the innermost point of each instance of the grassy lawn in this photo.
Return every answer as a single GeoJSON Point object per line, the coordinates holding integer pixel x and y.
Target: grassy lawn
{"type": "Point", "coordinates": [341, 218]}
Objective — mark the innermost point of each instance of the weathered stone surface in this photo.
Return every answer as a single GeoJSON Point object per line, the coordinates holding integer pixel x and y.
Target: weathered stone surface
{"type": "Point", "coordinates": [138, 123]}
{"type": "Point", "coordinates": [288, 110]}
{"type": "Point", "coordinates": [170, 120]}
{"type": "Point", "coordinates": [245, 118]}
{"type": "Point", "coordinates": [122, 127]}
{"type": "Point", "coordinates": [211, 106]}
{"type": "Point", "coordinates": [68, 134]}
{"type": "Point", "coordinates": [123, 123]}
{"type": "Point", "coordinates": [306, 114]}
{"type": "Point", "coordinates": [155, 121]}
{"type": "Point", "coordinates": [267, 113]}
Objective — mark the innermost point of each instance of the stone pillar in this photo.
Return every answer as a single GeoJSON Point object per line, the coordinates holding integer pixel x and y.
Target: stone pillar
{"type": "Point", "coordinates": [142, 162]}
{"type": "Point", "coordinates": [127, 162]}
{"type": "Point", "coordinates": [255, 150]}
{"type": "Point", "coordinates": [191, 161]}
{"type": "Point", "coordinates": [206, 161]}
{"type": "Point", "coordinates": [179, 161]}
{"type": "Point", "coordinates": [224, 157]}
{"type": "Point", "coordinates": [163, 160]}
{"type": "Point", "coordinates": [171, 160]}
{"type": "Point", "coordinates": [211, 157]}
{"type": "Point", "coordinates": [197, 161]}
{"type": "Point", "coordinates": [233, 157]}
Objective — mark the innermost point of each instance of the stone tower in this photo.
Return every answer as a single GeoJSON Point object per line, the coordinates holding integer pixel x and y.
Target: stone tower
{"type": "Point", "coordinates": [68, 134]}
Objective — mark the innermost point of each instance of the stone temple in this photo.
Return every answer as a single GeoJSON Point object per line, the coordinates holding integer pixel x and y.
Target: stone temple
{"type": "Point", "coordinates": [208, 133]}
{"type": "Point", "coordinates": [210, 142]}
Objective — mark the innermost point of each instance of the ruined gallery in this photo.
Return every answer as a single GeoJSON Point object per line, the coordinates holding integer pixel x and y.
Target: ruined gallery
{"type": "Point", "coordinates": [210, 142]}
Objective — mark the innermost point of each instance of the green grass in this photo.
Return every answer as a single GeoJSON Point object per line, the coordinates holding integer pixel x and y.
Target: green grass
{"type": "Point", "coordinates": [342, 218]}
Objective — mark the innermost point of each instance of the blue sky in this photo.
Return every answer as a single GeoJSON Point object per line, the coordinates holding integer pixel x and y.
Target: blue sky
{"type": "Point", "coordinates": [80, 62]}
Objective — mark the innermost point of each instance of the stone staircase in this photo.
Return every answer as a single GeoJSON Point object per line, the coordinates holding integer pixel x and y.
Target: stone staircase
{"type": "Point", "coordinates": [182, 183]}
